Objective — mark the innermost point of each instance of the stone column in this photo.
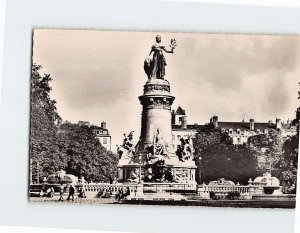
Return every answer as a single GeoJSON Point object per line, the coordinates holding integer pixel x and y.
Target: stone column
{"type": "Point", "coordinates": [251, 191]}
{"type": "Point", "coordinates": [120, 174]}
{"type": "Point", "coordinates": [156, 102]}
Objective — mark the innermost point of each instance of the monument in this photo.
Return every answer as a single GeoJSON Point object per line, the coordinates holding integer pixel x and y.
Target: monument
{"type": "Point", "coordinates": [154, 158]}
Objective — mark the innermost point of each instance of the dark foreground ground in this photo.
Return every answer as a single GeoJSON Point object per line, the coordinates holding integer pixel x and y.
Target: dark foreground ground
{"type": "Point", "coordinates": [220, 203]}
{"type": "Point", "coordinates": [287, 204]}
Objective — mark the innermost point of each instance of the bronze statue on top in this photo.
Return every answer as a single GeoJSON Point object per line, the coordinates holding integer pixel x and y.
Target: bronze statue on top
{"type": "Point", "coordinates": [155, 68]}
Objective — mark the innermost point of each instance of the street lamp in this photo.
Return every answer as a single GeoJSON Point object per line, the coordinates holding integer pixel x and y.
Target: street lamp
{"type": "Point", "coordinates": [140, 171]}
{"type": "Point", "coordinates": [200, 168]}
{"type": "Point", "coordinates": [37, 172]}
{"type": "Point", "coordinates": [30, 171]}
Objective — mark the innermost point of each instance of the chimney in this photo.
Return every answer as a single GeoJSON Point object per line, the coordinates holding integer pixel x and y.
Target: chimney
{"type": "Point", "coordinates": [251, 124]}
{"type": "Point", "coordinates": [214, 121]}
{"type": "Point", "coordinates": [103, 125]}
{"type": "Point", "coordinates": [183, 122]}
{"type": "Point", "coordinates": [278, 123]}
{"type": "Point", "coordinates": [173, 117]}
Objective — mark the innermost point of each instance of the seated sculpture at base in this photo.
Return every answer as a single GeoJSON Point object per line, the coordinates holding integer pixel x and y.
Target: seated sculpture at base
{"type": "Point", "coordinates": [158, 150]}
{"type": "Point", "coordinates": [159, 145]}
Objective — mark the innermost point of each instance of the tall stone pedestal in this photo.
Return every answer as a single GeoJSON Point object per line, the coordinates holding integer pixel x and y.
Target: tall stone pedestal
{"type": "Point", "coordinates": [155, 158]}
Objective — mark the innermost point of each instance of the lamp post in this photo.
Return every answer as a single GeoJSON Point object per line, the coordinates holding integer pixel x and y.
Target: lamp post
{"type": "Point", "coordinates": [140, 171]}
{"type": "Point", "coordinates": [30, 171]}
{"type": "Point", "coordinates": [200, 168]}
{"type": "Point", "coordinates": [37, 173]}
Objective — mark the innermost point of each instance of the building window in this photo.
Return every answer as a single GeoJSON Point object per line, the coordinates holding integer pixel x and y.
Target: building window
{"type": "Point", "coordinates": [173, 137]}
{"type": "Point", "coordinates": [230, 131]}
{"type": "Point", "coordinates": [178, 136]}
{"type": "Point", "coordinates": [105, 132]}
{"type": "Point", "coordinates": [104, 140]}
{"type": "Point", "coordinates": [97, 131]}
{"type": "Point", "coordinates": [238, 131]}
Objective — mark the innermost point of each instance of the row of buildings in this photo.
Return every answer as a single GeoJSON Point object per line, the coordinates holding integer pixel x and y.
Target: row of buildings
{"type": "Point", "coordinates": [238, 131]}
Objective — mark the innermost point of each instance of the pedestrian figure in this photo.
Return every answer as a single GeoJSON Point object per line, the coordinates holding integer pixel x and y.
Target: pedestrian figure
{"type": "Point", "coordinates": [104, 193]}
{"type": "Point", "coordinates": [127, 191]}
{"type": "Point", "coordinates": [117, 197]}
{"type": "Point", "coordinates": [121, 194]}
{"type": "Point", "coordinates": [50, 192]}
{"type": "Point", "coordinates": [42, 193]}
{"type": "Point", "coordinates": [61, 193]}
{"type": "Point", "coordinates": [81, 192]}
{"type": "Point", "coordinates": [71, 193]}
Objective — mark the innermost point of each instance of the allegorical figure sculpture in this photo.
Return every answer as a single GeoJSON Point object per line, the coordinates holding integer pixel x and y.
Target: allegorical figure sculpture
{"type": "Point", "coordinates": [127, 147]}
{"type": "Point", "coordinates": [155, 68]}
{"type": "Point", "coordinates": [186, 149]}
{"type": "Point", "coordinates": [134, 175]}
{"type": "Point", "coordinates": [159, 145]}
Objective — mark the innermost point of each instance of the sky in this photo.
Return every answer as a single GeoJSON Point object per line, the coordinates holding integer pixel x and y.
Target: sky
{"type": "Point", "coordinates": [98, 75]}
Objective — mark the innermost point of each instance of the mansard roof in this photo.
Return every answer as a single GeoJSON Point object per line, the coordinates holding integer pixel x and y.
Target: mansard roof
{"type": "Point", "coordinates": [98, 128]}
{"type": "Point", "coordinates": [246, 125]}
{"type": "Point", "coordinates": [193, 127]}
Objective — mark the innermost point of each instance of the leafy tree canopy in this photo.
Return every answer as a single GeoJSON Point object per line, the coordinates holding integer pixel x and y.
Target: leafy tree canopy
{"type": "Point", "coordinates": [217, 157]}
{"type": "Point", "coordinates": [55, 145]}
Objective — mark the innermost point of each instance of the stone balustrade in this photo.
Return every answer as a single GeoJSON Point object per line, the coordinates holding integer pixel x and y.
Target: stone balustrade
{"type": "Point", "coordinates": [94, 189]}
{"type": "Point", "coordinates": [222, 191]}
{"type": "Point", "coordinates": [226, 188]}
{"type": "Point", "coordinates": [169, 187]}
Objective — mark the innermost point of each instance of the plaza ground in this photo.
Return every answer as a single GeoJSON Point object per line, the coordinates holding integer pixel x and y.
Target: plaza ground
{"type": "Point", "coordinates": [287, 204]}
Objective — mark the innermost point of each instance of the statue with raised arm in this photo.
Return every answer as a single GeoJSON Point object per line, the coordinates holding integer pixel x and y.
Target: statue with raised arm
{"type": "Point", "coordinates": [155, 68]}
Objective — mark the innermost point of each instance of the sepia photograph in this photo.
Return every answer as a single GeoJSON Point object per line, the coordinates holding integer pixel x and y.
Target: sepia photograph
{"type": "Point", "coordinates": [164, 118]}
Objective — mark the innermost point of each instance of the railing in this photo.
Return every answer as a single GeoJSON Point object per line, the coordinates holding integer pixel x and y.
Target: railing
{"type": "Point", "coordinates": [95, 188]}
{"type": "Point", "coordinates": [226, 191]}
{"type": "Point", "coordinates": [169, 187]}
{"type": "Point", "coordinates": [225, 188]}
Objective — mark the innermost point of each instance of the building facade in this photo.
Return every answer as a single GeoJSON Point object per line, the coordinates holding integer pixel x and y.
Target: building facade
{"type": "Point", "coordinates": [238, 131]}
{"type": "Point", "coordinates": [101, 133]}
{"type": "Point", "coordinates": [180, 128]}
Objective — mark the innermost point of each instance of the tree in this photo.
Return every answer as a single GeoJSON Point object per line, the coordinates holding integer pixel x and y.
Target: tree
{"type": "Point", "coordinates": [288, 163]}
{"type": "Point", "coordinates": [43, 122]}
{"type": "Point", "coordinates": [279, 154]}
{"type": "Point", "coordinates": [55, 145]}
{"type": "Point", "coordinates": [86, 156]}
{"type": "Point", "coordinates": [268, 148]}
{"type": "Point", "coordinates": [216, 157]}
